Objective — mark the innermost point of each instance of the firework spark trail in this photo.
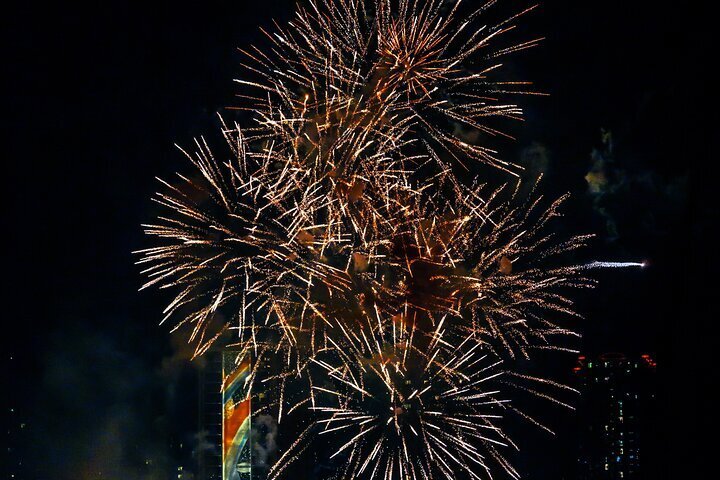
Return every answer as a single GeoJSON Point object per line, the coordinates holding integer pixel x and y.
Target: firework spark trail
{"type": "Point", "coordinates": [334, 242]}
{"type": "Point", "coordinates": [232, 236]}
{"type": "Point", "coordinates": [592, 265]}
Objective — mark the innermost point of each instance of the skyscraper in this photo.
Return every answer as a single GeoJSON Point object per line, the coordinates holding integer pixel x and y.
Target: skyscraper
{"type": "Point", "coordinates": [210, 421]}
{"type": "Point", "coordinates": [237, 434]}
{"type": "Point", "coordinates": [615, 416]}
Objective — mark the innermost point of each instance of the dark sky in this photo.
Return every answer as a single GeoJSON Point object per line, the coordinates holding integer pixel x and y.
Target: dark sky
{"type": "Point", "coordinates": [95, 98]}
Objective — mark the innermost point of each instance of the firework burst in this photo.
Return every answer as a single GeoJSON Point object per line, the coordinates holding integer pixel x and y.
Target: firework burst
{"type": "Point", "coordinates": [242, 236]}
{"type": "Point", "coordinates": [414, 413]}
{"type": "Point", "coordinates": [237, 238]}
{"type": "Point", "coordinates": [350, 83]}
{"type": "Point", "coordinates": [335, 244]}
{"type": "Point", "coordinates": [364, 286]}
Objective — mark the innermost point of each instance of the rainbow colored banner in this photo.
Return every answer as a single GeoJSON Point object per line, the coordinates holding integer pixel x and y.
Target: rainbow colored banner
{"type": "Point", "coordinates": [236, 417]}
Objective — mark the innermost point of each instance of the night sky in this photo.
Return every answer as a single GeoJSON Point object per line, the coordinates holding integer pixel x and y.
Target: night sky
{"type": "Point", "coordinates": [95, 99]}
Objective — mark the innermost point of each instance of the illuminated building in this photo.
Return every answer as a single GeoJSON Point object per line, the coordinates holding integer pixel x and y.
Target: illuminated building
{"type": "Point", "coordinates": [616, 412]}
{"type": "Point", "coordinates": [234, 440]}
{"type": "Point", "coordinates": [236, 421]}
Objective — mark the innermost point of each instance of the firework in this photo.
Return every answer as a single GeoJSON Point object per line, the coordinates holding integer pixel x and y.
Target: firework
{"type": "Point", "coordinates": [414, 414]}
{"type": "Point", "coordinates": [244, 236]}
{"type": "Point", "coordinates": [335, 245]}
{"type": "Point", "coordinates": [237, 237]}
{"type": "Point", "coordinates": [305, 274]}
{"type": "Point", "coordinates": [350, 83]}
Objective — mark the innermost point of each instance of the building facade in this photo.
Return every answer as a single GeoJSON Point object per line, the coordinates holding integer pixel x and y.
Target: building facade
{"type": "Point", "coordinates": [616, 415]}
{"type": "Point", "coordinates": [237, 433]}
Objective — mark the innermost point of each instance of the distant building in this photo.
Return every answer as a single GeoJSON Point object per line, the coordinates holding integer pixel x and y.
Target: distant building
{"type": "Point", "coordinates": [235, 436]}
{"type": "Point", "coordinates": [616, 415]}
{"type": "Point", "coordinates": [210, 420]}
{"type": "Point", "coordinates": [13, 462]}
